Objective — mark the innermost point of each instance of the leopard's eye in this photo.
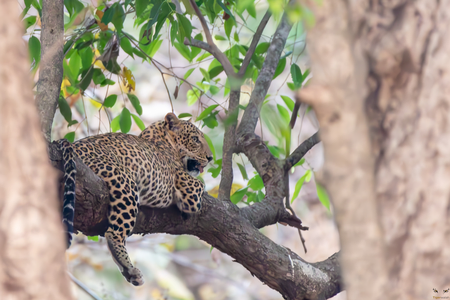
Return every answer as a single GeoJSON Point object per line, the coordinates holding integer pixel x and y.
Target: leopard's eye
{"type": "Point", "coordinates": [196, 139]}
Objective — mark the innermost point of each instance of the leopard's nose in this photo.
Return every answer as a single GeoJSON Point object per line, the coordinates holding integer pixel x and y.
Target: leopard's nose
{"type": "Point", "coordinates": [210, 158]}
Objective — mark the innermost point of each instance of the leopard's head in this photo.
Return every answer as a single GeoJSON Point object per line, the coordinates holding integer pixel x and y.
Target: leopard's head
{"type": "Point", "coordinates": [191, 144]}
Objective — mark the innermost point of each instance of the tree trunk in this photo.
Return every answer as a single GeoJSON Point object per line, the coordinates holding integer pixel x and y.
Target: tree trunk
{"type": "Point", "coordinates": [32, 242]}
{"type": "Point", "coordinates": [381, 77]}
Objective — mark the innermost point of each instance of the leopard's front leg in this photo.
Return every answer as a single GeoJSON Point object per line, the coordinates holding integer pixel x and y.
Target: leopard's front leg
{"type": "Point", "coordinates": [188, 192]}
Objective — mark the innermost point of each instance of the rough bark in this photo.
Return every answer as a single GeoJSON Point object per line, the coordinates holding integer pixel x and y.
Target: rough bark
{"type": "Point", "coordinates": [32, 242]}
{"type": "Point", "coordinates": [380, 90]}
{"type": "Point", "coordinates": [51, 68]}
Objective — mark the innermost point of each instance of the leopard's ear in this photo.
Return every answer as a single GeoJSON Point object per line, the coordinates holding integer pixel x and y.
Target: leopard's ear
{"type": "Point", "coordinates": [190, 120]}
{"type": "Point", "coordinates": [172, 121]}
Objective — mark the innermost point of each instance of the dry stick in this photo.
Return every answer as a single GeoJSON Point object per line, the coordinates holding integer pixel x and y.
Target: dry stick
{"type": "Point", "coordinates": [288, 206]}
{"type": "Point", "coordinates": [84, 287]}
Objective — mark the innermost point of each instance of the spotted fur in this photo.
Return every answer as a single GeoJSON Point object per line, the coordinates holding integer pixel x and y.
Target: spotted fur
{"type": "Point", "coordinates": [154, 169]}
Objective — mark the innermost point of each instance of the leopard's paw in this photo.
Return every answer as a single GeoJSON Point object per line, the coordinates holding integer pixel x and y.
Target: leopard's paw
{"type": "Point", "coordinates": [135, 277]}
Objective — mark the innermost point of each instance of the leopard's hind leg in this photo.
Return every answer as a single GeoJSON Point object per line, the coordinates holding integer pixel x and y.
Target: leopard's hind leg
{"type": "Point", "coordinates": [122, 218]}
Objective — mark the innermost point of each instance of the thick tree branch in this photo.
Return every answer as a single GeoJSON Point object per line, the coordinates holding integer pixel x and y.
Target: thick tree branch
{"type": "Point", "coordinates": [51, 69]}
{"type": "Point", "coordinates": [222, 225]}
{"type": "Point", "coordinates": [254, 43]}
{"type": "Point", "coordinates": [265, 77]}
{"type": "Point", "coordinates": [301, 150]}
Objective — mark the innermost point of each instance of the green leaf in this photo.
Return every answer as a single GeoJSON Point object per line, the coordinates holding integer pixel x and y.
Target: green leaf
{"type": "Point", "coordinates": [173, 31]}
{"type": "Point", "coordinates": [64, 108]}
{"type": "Point", "coordinates": [238, 195]}
{"type": "Point", "coordinates": [70, 136]}
{"type": "Point", "coordinates": [206, 112]}
{"type": "Point", "coordinates": [192, 96]}
{"type": "Point", "coordinates": [289, 102]}
{"type": "Point", "coordinates": [110, 101]}
{"type": "Point", "coordinates": [215, 71]}
{"type": "Point", "coordinates": [86, 79]}
{"type": "Point", "coordinates": [136, 103]}
{"type": "Point", "coordinates": [308, 175]}
{"type": "Point", "coordinates": [184, 115]}
{"type": "Point", "coordinates": [228, 27]}
{"type": "Point", "coordinates": [125, 120]}
{"type": "Point", "coordinates": [256, 183]}
{"type": "Point", "coordinates": [243, 171]}
{"type": "Point", "coordinates": [298, 187]}
{"type": "Point", "coordinates": [34, 46]}
{"type": "Point", "coordinates": [86, 58]}
{"type": "Point", "coordinates": [109, 14]}
{"type": "Point", "coordinates": [211, 146]}
{"type": "Point", "coordinates": [211, 120]}
{"type": "Point", "coordinates": [188, 73]}
{"type": "Point", "coordinates": [93, 238]}
{"type": "Point", "coordinates": [140, 6]}
{"type": "Point", "coordinates": [205, 74]}
{"type": "Point", "coordinates": [262, 48]}
{"type": "Point", "coordinates": [284, 114]}
{"type": "Point", "coordinates": [126, 46]}
{"type": "Point", "coordinates": [184, 50]}
{"type": "Point", "coordinates": [138, 122]}
{"type": "Point", "coordinates": [115, 124]}
{"type": "Point", "coordinates": [301, 162]}
{"type": "Point", "coordinates": [219, 38]}
{"type": "Point", "coordinates": [323, 196]}
{"type": "Point", "coordinates": [296, 76]}
{"type": "Point", "coordinates": [236, 37]}
{"type": "Point", "coordinates": [185, 28]}
{"type": "Point", "coordinates": [29, 21]}
{"type": "Point", "coordinates": [119, 17]}
{"type": "Point", "coordinates": [291, 86]}
{"type": "Point", "coordinates": [107, 81]}
{"type": "Point", "coordinates": [280, 68]}
{"type": "Point", "coordinates": [75, 64]}
{"type": "Point", "coordinates": [216, 171]}
{"type": "Point", "coordinates": [98, 76]}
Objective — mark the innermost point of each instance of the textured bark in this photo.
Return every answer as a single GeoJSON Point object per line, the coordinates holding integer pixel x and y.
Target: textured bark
{"type": "Point", "coordinates": [32, 242]}
{"type": "Point", "coordinates": [380, 90]}
{"type": "Point", "coordinates": [51, 68]}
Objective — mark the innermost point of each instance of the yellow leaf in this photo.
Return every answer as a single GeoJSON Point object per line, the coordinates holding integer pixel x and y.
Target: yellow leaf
{"type": "Point", "coordinates": [234, 187]}
{"type": "Point", "coordinates": [95, 103]}
{"type": "Point", "coordinates": [128, 79]}
{"type": "Point", "coordinates": [102, 26]}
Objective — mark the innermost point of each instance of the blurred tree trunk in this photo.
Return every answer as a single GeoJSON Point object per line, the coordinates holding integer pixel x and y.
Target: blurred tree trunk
{"type": "Point", "coordinates": [381, 93]}
{"type": "Point", "coordinates": [31, 237]}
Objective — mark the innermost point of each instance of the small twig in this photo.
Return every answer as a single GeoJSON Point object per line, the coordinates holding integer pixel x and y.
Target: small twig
{"type": "Point", "coordinates": [288, 206]}
{"type": "Point", "coordinates": [254, 43]}
{"type": "Point", "coordinates": [301, 150]}
{"type": "Point", "coordinates": [84, 287]}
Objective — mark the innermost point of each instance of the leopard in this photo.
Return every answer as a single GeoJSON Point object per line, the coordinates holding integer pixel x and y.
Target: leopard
{"type": "Point", "coordinates": [156, 169]}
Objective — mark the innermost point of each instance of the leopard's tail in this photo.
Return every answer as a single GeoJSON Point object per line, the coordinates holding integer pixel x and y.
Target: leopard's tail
{"type": "Point", "coordinates": [70, 173]}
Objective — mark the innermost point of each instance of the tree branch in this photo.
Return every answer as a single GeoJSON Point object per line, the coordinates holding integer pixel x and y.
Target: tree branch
{"type": "Point", "coordinates": [301, 150]}
{"type": "Point", "coordinates": [213, 49]}
{"type": "Point", "coordinates": [51, 69]}
{"type": "Point", "coordinates": [265, 77]}
{"type": "Point", "coordinates": [222, 225]}
{"type": "Point", "coordinates": [254, 43]}
{"type": "Point", "coordinates": [229, 142]}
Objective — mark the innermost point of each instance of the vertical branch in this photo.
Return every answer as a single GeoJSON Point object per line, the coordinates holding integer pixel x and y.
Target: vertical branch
{"type": "Point", "coordinates": [265, 77]}
{"type": "Point", "coordinates": [51, 68]}
{"type": "Point", "coordinates": [229, 141]}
